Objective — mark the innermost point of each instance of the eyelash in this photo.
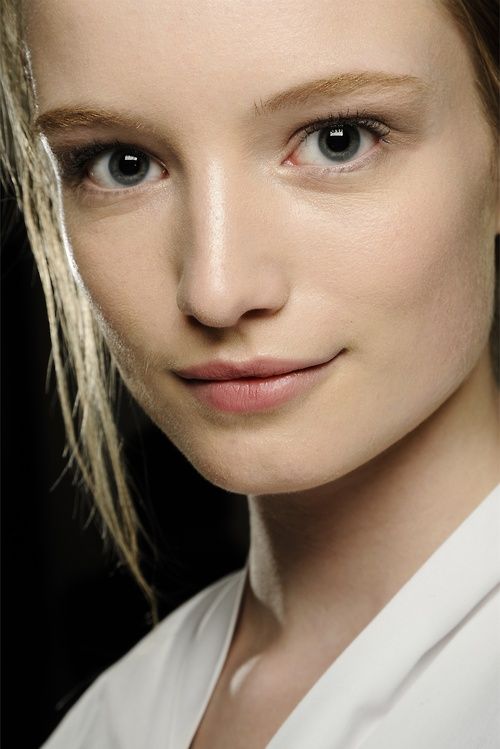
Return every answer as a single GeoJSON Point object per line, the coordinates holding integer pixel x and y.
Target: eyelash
{"type": "Point", "coordinates": [76, 161]}
{"type": "Point", "coordinates": [357, 119]}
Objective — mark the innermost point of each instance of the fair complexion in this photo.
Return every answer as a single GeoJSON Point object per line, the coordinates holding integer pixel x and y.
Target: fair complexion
{"type": "Point", "coordinates": [241, 242]}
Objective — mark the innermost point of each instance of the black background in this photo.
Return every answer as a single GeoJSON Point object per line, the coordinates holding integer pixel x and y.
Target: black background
{"type": "Point", "coordinates": [68, 609]}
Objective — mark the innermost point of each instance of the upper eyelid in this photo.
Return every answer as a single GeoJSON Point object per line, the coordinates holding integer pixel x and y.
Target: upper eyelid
{"type": "Point", "coordinates": [371, 124]}
{"type": "Point", "coordinates": [124, 145]}
{"type": "Point", "coordinates": [72, 153]}
{"type": "Point", "coordinates": [62, 152]}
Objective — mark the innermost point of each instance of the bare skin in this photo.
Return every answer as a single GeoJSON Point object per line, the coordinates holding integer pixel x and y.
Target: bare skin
{"type": "Point", "coordinates": [232, 255]}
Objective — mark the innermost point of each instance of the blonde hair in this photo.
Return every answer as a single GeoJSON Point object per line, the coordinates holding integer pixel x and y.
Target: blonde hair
{"type": "Point", "coordinates": [79, 350]}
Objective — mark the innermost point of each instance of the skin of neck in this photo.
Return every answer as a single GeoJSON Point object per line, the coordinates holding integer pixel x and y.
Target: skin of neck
{"type": "Point", "coordinates": [344, 549]}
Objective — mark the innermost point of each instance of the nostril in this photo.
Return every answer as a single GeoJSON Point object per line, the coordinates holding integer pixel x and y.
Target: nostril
{"type": "Point", "coordinates": [218, 290]}
{"type": "Point", "coordinates": [257, 313]}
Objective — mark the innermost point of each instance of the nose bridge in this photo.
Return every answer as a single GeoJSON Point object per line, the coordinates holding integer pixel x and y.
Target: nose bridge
{"type": "Point", "coordinates": [213, 213]}
{"type": "Point", "coordinates": [226, 267]}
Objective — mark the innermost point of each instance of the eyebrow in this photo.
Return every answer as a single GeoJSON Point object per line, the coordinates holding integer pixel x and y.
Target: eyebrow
{"type": "Point", "coordinates": [341, 85]}
{"type": "Point", "coordinates": [66, 118]}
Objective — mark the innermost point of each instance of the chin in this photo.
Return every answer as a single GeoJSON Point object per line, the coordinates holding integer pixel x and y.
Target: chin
{"type": "Point", "coordinates": [239, 482]}
{"type": "Point", "coordinates": [249, 474]}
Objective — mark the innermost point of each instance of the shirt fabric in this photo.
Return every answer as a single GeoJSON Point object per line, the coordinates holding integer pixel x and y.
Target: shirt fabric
{"type": "Point", "coordinates": [423, 674]}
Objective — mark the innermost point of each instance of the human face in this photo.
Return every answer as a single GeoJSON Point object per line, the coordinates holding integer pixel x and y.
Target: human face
{"type": "Point", "coordinates": [240, 243]}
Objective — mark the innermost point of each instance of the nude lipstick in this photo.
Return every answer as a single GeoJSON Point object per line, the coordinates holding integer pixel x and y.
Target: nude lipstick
{"type": "Point", "coordinates": [257, 385]}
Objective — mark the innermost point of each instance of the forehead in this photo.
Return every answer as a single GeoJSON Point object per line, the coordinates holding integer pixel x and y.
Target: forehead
{"type": "Point", "coordinates": [225, 53]}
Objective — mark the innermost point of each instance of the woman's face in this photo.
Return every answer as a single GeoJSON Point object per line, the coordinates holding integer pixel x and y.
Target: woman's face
{"type": "Point", "coordinates": [223, 237]}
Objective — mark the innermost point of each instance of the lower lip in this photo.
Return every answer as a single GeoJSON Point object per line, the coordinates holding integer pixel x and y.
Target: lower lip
{"type": "Point", "coordinates": [246, 395]}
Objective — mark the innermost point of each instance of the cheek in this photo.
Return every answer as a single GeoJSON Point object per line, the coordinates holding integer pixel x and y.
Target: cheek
{"type": "Point", "coordinates": [421, 284]}
{"type": "Point", "coordinates": [123, 261]}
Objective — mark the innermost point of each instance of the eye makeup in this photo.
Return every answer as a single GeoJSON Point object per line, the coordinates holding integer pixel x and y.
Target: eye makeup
{"type": "Point", "coordinates": [75, 162]}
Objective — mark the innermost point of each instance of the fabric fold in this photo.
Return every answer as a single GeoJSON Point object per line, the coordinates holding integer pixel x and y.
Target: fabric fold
{"type": "Point", "coordinates": [365, 682]}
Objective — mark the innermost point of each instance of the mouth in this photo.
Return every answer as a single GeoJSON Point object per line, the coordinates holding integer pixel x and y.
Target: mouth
{"type": "Point", "coordinates": [259, 385]}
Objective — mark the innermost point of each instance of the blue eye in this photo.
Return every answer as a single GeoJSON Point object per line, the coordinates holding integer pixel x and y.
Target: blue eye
{"type": "Point", "coordinates": [110, 165]}
{"type": "Point", "coordinates": [339, 142]}
{"type": "Point", "coordinates": [126, 166]}
{"type": "Point", "coordinates": [341, 139]}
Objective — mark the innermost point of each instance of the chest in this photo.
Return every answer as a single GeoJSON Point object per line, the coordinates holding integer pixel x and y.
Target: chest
{"type": "Point", "coordinates": [249, 704]}
{"type": "Point", "coordinates": [229, 723]}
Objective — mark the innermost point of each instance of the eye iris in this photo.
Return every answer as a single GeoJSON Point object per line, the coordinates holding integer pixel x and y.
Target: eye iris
{"type": "Point", "coordinates": [341, 142]}
{"type": "Point", "coordinates": [127, 166]}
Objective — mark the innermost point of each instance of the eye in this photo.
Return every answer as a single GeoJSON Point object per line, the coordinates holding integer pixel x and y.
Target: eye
{"type": "Point", "coordinates": [123, 167]}
{"type": "Point", "coordinates": [336, 144]}
{"type": "Point", "coordinates": [112, 165]}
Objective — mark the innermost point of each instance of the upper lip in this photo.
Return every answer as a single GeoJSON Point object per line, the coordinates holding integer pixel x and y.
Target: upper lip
{"type": "Point", "coordinates": [262, 367]}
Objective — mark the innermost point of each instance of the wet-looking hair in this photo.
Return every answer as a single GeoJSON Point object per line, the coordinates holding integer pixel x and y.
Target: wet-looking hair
{"type": "Point", "coordinates": [86, 375]}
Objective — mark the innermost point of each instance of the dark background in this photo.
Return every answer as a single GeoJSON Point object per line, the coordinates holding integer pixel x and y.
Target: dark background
{"type": "Point", "coordinates": [68, 609]}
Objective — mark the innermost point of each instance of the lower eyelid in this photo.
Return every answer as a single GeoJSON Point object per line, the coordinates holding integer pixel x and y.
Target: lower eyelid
{"type": "Point", "coordinates": [321, 174]}
{"type": "Point", "coordinates": [94, 193]}
{"type": "Point", "coordinates": [357, 164]}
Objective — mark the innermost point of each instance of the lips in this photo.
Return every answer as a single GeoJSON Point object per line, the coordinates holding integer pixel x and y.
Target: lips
{"type": "Point", "coordinates": [261, 368]}
{"type": "Point", "coordinates": [257, 385]}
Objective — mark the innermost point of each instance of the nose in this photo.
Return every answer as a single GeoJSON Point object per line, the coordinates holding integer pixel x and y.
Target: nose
{"type": "Point", "coordinates": [230, 262]}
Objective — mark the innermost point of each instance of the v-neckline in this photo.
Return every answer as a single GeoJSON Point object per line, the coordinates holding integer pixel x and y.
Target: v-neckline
{"type": "Point", "coordinates": [454, 578]}
{"type": "Point", "coordinates": [217, 626]}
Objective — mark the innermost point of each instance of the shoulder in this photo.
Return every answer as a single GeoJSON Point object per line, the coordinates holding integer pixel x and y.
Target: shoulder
{"type": "Point", "coordinates": [123, 697]}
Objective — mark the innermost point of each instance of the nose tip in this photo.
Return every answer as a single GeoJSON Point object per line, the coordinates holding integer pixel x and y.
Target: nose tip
{"type": "Point", "coordinates": [221, 300]}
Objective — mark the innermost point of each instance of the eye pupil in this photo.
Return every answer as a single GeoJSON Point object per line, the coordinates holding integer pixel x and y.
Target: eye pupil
{"type": "Point", "coordinates": [343, 140]}
{"type": "Point", "coordinates": [338, 140]}
{"type": "Point", "coordinates": [127, 166]}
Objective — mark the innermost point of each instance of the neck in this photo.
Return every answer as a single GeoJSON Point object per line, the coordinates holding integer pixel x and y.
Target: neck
{"type": "Point", "coordinates": [344, 549]}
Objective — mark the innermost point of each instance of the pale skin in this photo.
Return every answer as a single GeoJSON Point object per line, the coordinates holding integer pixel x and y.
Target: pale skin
{"type": "Point", "coordinates": [236, 254]}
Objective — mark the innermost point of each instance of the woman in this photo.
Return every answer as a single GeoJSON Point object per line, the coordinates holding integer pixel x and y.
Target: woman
{"type": "Point", "coordinates": [292, 266]}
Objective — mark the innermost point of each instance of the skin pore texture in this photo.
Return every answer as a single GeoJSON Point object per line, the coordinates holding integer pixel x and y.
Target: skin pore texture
{"type": "Point", "coordinates": [242, 242]}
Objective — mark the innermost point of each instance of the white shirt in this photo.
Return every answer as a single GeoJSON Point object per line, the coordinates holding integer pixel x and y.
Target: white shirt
{"type": "Point", "coordinates": [423, 674]}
